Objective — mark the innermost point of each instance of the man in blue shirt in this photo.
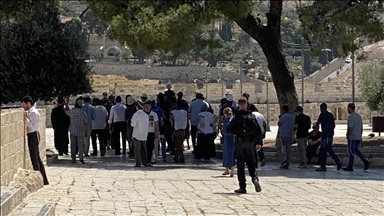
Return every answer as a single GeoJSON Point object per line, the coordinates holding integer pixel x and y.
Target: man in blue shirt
{"type": "Point", "coordinates": [88, 108]}
{"type": "Point", "coordinates": [156, 109]}
{"type": "Point", "coordinates": [327, 122]}
{"type": "Point", "coordinates": [194, 110]}
{"type": "Point", "coordinates": [286, 129]}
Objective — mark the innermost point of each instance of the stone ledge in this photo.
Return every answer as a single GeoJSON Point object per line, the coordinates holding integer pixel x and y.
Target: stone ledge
{"type": "Point", "coordinates": [36, 209]}
{"type": "Point", "coordinates": [11, 197]}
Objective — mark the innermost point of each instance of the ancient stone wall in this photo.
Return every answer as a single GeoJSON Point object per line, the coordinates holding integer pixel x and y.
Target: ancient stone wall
{"type": "Point", "coordinates": [14, 147]}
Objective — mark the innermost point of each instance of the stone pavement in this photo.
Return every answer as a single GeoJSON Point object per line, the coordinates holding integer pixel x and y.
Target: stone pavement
{"type": "Point", "coordinates": [112, 186]}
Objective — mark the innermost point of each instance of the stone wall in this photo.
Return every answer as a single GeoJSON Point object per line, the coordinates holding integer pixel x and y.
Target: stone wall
{"type": "Point", "coordinates": [14, 147]}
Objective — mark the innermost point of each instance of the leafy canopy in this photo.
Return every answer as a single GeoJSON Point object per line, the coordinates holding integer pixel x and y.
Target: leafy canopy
{"type": "Point", "coordinates": [342, 22]}
{"type": "Point", "coordinates": [164, 25]}
{"type": "Point", "coordinates": [372, 84]}
{"type": "Point", "coordinates": [41, 57]}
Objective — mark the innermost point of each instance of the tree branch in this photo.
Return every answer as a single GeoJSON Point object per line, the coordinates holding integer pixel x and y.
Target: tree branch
{"type": "Point", "coordinates": [274, 16]}
{"type": "Point", "coordinates": [82, 13]}
{"type": "Point", "coordinates": [251, 26]}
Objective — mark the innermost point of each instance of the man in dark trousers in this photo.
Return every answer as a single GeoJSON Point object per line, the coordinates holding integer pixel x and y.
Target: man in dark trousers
{"type": "Point", "coordinates": [248, 138]}
{"type": "Point", "coordinates": [32, 119]}
{"type": "Point", "coordinates": [60, 124]}
{"type": "Point", "coordinates": [302, 125]}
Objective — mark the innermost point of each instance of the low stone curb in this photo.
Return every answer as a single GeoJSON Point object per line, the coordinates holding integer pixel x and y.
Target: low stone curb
{"type": "Point", "coordinates": [36, 210]}
{"type": "Point", "coordinates": [10, 199]}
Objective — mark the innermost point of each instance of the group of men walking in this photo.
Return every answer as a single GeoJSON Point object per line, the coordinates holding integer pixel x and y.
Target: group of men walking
{"type": "Point", "coordinates": [309, 142]}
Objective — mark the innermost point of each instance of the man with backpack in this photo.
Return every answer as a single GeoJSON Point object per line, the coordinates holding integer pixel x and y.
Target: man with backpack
{"type": "Point", "coordinates": [248, 136]}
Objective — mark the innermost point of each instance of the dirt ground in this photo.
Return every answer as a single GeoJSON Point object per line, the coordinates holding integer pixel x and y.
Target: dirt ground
{"type": "Point", "coordinates": [376, 141]}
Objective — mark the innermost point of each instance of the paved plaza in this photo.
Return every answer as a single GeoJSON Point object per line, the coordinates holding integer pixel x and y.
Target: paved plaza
{"type": "Point", "coordinates": [112, 186]}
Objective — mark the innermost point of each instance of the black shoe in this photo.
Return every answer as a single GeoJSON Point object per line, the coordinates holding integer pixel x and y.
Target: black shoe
{"type": "Point", "coordinates": [148, 165]}
{"type": "Point", "coordinates": [103, 153]}
{"type": "Point", "coordinates": [118, 153]}
{"type": "Point", "coordinates": [137, 166]}
{"type": "Point", "coordinates": [241, 191]}
{"type": "Point", "coordinates": [309, 162]}
{"type": "Point", "coordinates": [257, 185]}
{"type": "Point", "coordinates": [348, 169]}
{"type": "Point", "coordinates": [321, 169]}
{"type": "Point", "coordinates": [339, 166]}
{"type": "Point", "coordinates": [82, 161]}
{"type": "Point", "coordinates": [367, 165]}
{"type": "Point", "coordinates": [94, 154]}
{"type": "Point", "coordinates": [60, 154]}
{"type": "Point", "coordinates": [46, 183]}
{"type": "Point", "coordinates": [87, 155]}
{"type": "Point", "coordinates": [164, 160]}
{"type": "Point", "coordinates": [182, 161]}
{"type": "Point", "coordinates": [283, 165]}
{"type": "Point", "coordinates": [176, 161]}
{"type": "Point", "coordinates": [66, 153]}
{"type": "Point", "coordinates": [73, 162]}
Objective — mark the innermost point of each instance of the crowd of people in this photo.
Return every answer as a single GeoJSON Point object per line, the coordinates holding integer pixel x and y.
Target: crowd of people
{"type": "Point", "coordinates": [154, 126]}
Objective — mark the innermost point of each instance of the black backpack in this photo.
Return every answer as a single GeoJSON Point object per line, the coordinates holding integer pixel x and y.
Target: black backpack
{"type": "Point", "coordinates": [246, 124]}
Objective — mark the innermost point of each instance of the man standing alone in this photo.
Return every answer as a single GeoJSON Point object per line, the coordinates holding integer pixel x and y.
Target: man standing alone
{"type": "Point", "coordinates": [302, 125]}
{"type": "Point", "coordinates": [248, 138]}
{"type": "Point", "coordinates": [354, 137]}
{"type": "Point", "coordinates": [32, 119]}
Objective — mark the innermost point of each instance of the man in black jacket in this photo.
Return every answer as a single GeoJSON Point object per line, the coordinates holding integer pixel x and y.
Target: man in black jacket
{"type": "Point", "coordinates": [60, 123]}
{"type": "Point", "coordinates": [248, 137]}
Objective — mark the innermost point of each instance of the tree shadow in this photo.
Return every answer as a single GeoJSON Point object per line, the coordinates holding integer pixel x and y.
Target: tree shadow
{"type": "Point", "coordinates": [112, 162]}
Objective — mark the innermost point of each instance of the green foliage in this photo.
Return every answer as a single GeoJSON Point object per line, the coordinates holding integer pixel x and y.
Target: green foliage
{"type": "Point", "coordinates": [164, 25]}
{"type": "Point", "coordinates": [41, 57]}
{"type": "Point", "coordinates": [327, 22]}
{"type": "Point", "coordinates": [372, 84]}
{"type": "Point", "coordinates": [9, 8]}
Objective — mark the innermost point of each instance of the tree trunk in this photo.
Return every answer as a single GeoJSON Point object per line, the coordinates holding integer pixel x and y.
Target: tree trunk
{"type": "Point", "coordinates": [269, 38]}
{"type": "Point", "coordinates": [282, 78]}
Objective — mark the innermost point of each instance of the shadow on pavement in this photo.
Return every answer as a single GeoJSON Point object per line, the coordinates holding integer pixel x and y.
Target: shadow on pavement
{"type": "Point", "coordinates": [112, 162]}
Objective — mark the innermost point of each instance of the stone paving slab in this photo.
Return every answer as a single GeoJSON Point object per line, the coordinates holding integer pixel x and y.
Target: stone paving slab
{"type": "Point", "coordinates": [112, 186]}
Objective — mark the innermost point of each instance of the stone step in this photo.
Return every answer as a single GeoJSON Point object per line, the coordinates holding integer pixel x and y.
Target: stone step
{"type": "Point", "coordinates": [341, 149]}
{"type": "Point", "coordinates": [11, 197]}
{"type": "Point", "coordinates": [376, 159]}
{"type": "Point", "coordinates": [36, 209]}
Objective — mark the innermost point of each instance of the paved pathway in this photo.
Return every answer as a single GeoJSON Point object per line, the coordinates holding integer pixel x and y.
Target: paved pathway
{"type": "Point", "coordinates": [112, 186]}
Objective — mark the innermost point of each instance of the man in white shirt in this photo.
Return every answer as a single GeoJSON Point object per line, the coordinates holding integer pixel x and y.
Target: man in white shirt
{"type": "Point", "coordinates": [263, 126]}
{"type": "Point", "coordinates": [99, 127]}
{"type": "Point", "coordinates": [153, 130]}
{"type": "Point", "coordinates": [118, 123]}
{"type": "Point", "coordinates": [179, 118]}
{"type": "Point", "coordinates": [32, 119]}
{"type": "Point", "coordinates": [139, 122]}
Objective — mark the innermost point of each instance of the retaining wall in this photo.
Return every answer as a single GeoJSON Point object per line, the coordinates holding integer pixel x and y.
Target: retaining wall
{"type": "Point", "coordinates": [14, 147]}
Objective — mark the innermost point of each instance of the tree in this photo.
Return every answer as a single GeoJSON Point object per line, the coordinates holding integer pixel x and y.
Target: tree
{"type": "Point", "coordinates": [372, 85]}
{"type": "Point", "coordinates": [170, 25]}
{"type": "Point", "coordinates": [41, 57]}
